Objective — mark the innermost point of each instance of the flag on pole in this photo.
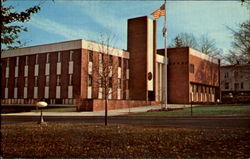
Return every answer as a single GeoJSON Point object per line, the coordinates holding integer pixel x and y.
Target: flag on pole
{"type": "Point", "coordinates": [159, 12]}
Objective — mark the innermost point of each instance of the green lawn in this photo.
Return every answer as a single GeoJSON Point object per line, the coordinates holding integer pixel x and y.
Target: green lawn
{"type": "Point", "coordinates": [72, 140]}
{"type": "Point", "coordinates": [214, 110]}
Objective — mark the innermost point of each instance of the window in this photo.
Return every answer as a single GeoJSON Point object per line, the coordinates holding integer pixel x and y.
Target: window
{"type": "Point", "coordinates": [110, 82]}
{"type": "Point", "coordinates": [110, 59]}
{"type": "Point", "coordinates": [100, 58]}
{"type": "Point", "coordinates": [226, 75]}
{"type": "Point", "coordinates": [242, 85]}
{"type": "Point", "coordinates": [36, 58]}
{"type": "Point", "coordinates": [71, 55]}
{"type": "Point", "coordinates": [15, 82]}
{"type": "Point", "coordinates": [59, 57]}
{"type": "Point", "coordinates": [70, 80]}
{"type": "Point", "coordinates": [36, 81]}
{"type": "Point", "coordinates": [101, 82]}
{"type": "Point", "coordinates": [127, 66]}
{"type": "Point", "coordinates": [119, 83]}
{"type": "Point", "coordinates": [89, 80]}
{"type": "Point", "coordinates": [26, 81]}
{"type": "Point", "coordinates": [191, 68]}
{"type": "Point", "coordinates": [127, 84]}
{"type": "Point", "coordinates": [58, 80]}
{"type": "Point", "coordinates": [226, 85]}
{"type": "Point", "coordinates": [26, 60]}
{"type": "Point", "coordinates": [17, 61]}
{"type": "Point", "coordinates": [235, 74]}
{"type": "Point", "coordinates": [47, 58]}
{"type": "Point", "coordinates": [47, 81]}
{"type": "Point", "coordinates": [90, 56]}
{"type": "Point", "coordinates": [8, 62]}
{"type": "Point", "coordinates": [7, 83]}
{"type": "Point", "coordinates": [119, 62]}
{"type": "Point", "coordinates": [236, 86]}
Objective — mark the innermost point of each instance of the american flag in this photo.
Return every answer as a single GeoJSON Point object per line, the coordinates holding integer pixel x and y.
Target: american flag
{"type": "Point", "coordinates": [159, 12]}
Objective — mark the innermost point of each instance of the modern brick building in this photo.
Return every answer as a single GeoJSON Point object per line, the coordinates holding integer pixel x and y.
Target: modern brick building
{"type": "Point", "coordinates": [235, 83]}
{"type": "Point", "coordinates": [62, 73]}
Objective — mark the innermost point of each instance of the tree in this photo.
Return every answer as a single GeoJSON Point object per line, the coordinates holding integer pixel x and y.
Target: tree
{"type": "Point", "coordinates": [208, 46]}
{"type": "Point", "coordinates": [203, 44]}
{"type": "Point", "coordinates": [104, 71]}
{"type": "Point", "coordinates": [185, 40]}
{"type": "Point", "coordinates": [10, 27]}
{"type": "Point", "coordinates": [240, 51]}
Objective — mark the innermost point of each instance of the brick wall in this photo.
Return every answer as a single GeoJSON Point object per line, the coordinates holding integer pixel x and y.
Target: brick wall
{"type": "Point", "coordinates": [98, 104]}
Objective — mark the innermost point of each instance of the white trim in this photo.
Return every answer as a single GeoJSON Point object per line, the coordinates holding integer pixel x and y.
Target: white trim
{"type": "Point", "coordinates": [119, 72]}
{"type": "Point", "coordinates": [203, 56]}
{"type": "Point", "coordinates": [15, 92]}
{"type": "Point", "coordinates": [90, 68]}
{"type": "Point", "coordinates": [60, 46]}
{"type": "Point", "coordinates": [46, 92]}
{"type": "Point", "coordinates": [16, 71]}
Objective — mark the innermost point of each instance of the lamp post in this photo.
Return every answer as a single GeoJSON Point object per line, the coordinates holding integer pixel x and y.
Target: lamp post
{"type": "Point", "coordinates": [41, 105]}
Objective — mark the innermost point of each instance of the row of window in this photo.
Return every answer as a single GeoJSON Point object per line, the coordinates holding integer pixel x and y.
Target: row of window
{"type": "Point", "coordinates": [237, 86]}
{"type": "Point", "coordinates": [47, 81]}
{"type": "Point", "coordinates": [202, 89]}
{"type": "Point", "coordinates": [110, 82]}
{"type": "Point", "coordinates": [37, 56]}
{"type": "Point", "coordinates": [101, 59]}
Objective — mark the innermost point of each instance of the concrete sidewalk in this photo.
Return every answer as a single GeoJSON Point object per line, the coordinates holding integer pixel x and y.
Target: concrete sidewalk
{"type": "Point", "coordinates": [97, 113]}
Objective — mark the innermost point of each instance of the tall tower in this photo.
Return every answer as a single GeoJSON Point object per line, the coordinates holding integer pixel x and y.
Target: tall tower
{"type": "Point", "coordinates": [142, 49]}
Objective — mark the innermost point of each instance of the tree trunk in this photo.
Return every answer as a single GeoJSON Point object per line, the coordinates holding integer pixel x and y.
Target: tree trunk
{"type": "Point", "coordinates": [106, 111]}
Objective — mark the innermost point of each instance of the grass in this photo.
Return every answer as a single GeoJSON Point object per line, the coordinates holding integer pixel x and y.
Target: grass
{"type": "Point", "coordinates": [213, 111]}
{"type": "Point", "coordinates": [73, 109]}
{"type": "Point", "coordinates": [71, 140]}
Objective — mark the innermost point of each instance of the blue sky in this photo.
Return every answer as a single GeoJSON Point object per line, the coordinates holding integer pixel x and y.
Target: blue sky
{"type": "Point", "coordinates": [69, 20]}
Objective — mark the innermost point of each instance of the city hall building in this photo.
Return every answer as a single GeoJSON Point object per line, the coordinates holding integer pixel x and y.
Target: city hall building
{"type": "Point", "coordinates": [62, 73]}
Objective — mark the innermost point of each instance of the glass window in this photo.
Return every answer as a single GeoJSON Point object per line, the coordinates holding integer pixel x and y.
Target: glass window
{"type": "Point", "coordinates": [119, 62]}
{"type": "Point", "coordinates": [110, 59]}
{"type": "Point", "coordinates": [110, 82]}
{"type": "Point", "coordinates": [70, 80]}
{"type": "Point", "coordinates": [47, 58]}
{"type": "Point", "coordinates": [226, 85]}
{"type": "Point", "coordinates": [236, 86]}
{"type": "Point", "coordinates": [36, 58]}
{"type": "Point", "coordinates": [15, 82]}
{"type": "Point", "coordinates": [6, 82]}
{"type": "Point", "coordinates": [36, 81]}
{"type": "Point", "coordinates": [59, 57]}
{"type": "Point", "coordinates": [119, 83]}
{"type": "Point", "coordinates": [90, 56]}
{"type": "Point", "coordinates": [26, 60]}
{"type": "Point", "coordinates": [47, 81]}
{"type": "Point", "coordinates": [58, 80]}
{"type": "Point", "coordinates": [242, 85]}
{"type": "Point", "coordinates": [26, 81]}
{"type": "Point", "coordinates": [89, 80]}
{"type": "Point", "coordinates": [191, 68]}
{"type": "Point", "coordinates": [71, 55]}
{"type": "Point", "coordinates": [17, 61]}
{"type": "Point", "coordinates": [8, 62]}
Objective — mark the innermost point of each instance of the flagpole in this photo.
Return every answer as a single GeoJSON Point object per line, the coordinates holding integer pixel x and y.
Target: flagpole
{"type": "Point", "coordinates": [166, 58]}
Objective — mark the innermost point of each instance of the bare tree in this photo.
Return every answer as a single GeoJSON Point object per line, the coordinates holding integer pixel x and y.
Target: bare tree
{"type": "Point", "coordinates": [240, 51]}
{"type": "Point", "coordinates": [185, 40]}
{"type": "Point", "coordinates": [208, 46]}
{"type": "Point", "coordinates": [104, 73]}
